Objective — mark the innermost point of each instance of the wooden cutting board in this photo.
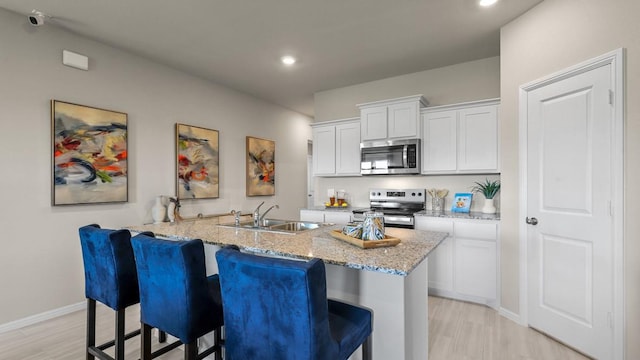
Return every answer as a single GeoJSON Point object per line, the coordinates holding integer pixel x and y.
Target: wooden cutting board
{"type": "Point", "coordinates": [365, 244]}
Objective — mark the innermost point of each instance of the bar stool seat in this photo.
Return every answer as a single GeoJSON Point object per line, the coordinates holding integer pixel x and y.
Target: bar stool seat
{"type": "Point", "coordinates": [278, 309]}
{"type": "Point", "coordinates": [111, 279]}
{"type": "Point", "coordinates": [176, 296]}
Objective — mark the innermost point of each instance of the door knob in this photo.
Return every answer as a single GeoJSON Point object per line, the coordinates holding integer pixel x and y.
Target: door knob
{"type": "Point", "coordinates": [532, 221]}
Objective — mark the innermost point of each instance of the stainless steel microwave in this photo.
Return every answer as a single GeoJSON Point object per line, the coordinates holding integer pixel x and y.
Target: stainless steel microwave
{"type": "Point", "coordinates": [390, 157]}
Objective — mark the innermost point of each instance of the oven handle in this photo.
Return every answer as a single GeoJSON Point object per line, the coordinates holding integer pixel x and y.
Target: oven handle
{"type": "Point", "coordinates": [398, 219]}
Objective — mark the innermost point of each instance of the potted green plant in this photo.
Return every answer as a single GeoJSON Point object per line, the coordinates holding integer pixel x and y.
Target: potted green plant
{"type": "Point", "coordinates": [488, 188]}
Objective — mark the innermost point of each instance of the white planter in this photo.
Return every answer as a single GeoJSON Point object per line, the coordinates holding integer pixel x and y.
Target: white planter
{"type": "Point", "coordinates": [489, 207]}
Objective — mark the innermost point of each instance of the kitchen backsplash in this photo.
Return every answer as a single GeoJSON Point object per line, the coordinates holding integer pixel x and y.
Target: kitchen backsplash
{"type": "Point", "coordinates": [358, 195]}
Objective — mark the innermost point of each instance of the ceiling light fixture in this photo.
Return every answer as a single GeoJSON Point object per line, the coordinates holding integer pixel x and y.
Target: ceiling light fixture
{"type": "Point", "coordinates": [486, 3]}
{"type": "Point", "coordinates": [288, 60]}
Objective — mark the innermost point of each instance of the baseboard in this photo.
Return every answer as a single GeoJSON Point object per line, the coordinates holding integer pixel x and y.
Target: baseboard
{"type": "Point", "coordinates": [47, 315]}
{"type": "Point", "coordinates": [511, 316]}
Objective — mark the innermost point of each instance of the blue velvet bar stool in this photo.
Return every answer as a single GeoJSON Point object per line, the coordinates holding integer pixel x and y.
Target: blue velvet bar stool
{"type": "Point", "coordinates": [111, 279]}
{"type": "Point", "coordinates": [176, 296]}
{"type": "Point", "coordinates": [278, 309]}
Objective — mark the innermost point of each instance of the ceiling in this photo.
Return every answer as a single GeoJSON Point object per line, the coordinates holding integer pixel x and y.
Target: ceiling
{"type": "Point", "coordinates": [238, 43]}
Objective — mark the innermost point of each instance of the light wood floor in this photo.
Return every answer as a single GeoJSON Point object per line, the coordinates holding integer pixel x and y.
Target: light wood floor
{"type": "Point", "coordinates": [457, 330]}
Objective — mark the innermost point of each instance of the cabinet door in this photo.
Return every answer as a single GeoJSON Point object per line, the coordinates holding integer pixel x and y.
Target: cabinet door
{"type": "Point", "coordinates": [348, 149]}
{"type": "Point", "coordinates": [478, 139]}
{"type": "Point", "coordinates": [374, 123]}
{"type": "Point", "coordinates": [439, 141]}
{"type": "Point", "coordinates": [324, 150]}
{"type": "Point", "coordinates": [403, 120]}
{"type": "Point", "coordinates": [337, 217]}
{"type": "Point", "coordinates": [475, 268]}
{"type": "Point", "coordinates": [441, 259]}
{"type": "Point", "coordinates": [312, 215]}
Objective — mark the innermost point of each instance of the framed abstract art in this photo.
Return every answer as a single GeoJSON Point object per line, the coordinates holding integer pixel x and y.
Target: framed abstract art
{"type": "Point", "coordinates": [89, 155]}
{"type": "Point", "coordinates": [197, 162]}
{"type": "Point", "coordinates": [261, 167]}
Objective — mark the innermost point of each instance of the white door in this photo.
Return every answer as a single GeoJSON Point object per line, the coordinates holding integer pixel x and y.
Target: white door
{"type": "Point", "coordinates": [310, 182]}
{"type": "Point", "coordinates": [569, 193]}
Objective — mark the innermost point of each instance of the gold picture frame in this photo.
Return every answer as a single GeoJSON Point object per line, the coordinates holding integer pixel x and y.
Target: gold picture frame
{"type": "Point", "coordinates": [261, 167]}
{"type": "Point", "coordinates": [89, 155]}
{"type": "Point", "coordinates": [197, 162]}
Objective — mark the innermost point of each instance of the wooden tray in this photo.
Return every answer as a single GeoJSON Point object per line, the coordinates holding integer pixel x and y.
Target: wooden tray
{"type": "Point", "coordinates": [365, 244]}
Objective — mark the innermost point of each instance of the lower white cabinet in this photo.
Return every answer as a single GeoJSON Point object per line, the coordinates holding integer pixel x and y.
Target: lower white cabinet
{"type": "Point", "coordinates": [465, 265]}
{"type": "Point", "coordinates": [328, 216]}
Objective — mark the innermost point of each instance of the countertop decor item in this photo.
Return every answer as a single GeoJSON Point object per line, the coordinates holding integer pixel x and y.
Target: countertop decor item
{"type": "Point", "coordinates": [261, 167]}
{"type": "Point", "coordinates": [158, 212]}
{"type": "Point", "coordinates": [198, 162]}
{"type": "Point", "coordinates": [489, 189]}
{"type": "Point", "coordinates": [89, 155]}
{"type": "Point", "coordinates": [461, 202]}
{"type": "Point", "coordinates": [437, 199]}
{"type": "Point", "coordinates": [365, 244]}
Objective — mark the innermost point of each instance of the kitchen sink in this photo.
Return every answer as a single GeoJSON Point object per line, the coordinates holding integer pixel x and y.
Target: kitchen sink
{"type": "Point", "coordinates": [277, 226]}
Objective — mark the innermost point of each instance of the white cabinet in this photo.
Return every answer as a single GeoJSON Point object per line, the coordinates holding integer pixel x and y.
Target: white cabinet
{"type": "Point", "coordinates": [465, 265]}
{"type": "Point", "coordinates": [391, 119]}
{"type": "Point", "coordinates": [461, 138]}
{"type": "Point", "coordinates": [328, 216]}
{"type": "Point", "coordinates": [336, 148]}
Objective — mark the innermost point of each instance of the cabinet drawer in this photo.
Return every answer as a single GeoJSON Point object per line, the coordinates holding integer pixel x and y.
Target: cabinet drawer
{"type": "Point", "coordinates": [430, 224]}
{"type": "Point", "coordinates": [474, 230]}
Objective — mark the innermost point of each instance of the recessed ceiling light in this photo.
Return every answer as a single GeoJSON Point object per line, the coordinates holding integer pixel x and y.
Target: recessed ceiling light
{"type": "Point", "coordinates": [288, 60]}
{"type": "Point", "coordinates": [487, 2]}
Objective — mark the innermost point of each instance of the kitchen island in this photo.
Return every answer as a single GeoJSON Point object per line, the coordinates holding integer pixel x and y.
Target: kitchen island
{"type": "Point", "coordinates": [391, 281]}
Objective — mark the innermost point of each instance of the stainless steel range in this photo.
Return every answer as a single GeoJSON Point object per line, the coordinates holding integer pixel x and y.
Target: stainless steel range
{"type": "Point", "coordinates": [397, 205]}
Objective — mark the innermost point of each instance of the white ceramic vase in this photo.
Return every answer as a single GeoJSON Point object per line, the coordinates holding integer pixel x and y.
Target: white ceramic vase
{"type": "Point", "coordinates": [489, 207]}
{"type": "Point", "coordinates": [158, 212]}
{"type": "Point", "coordinates": [171, 211]}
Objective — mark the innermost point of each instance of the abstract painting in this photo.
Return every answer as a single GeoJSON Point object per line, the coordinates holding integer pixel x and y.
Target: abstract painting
{"type": "Point", "coordinates": [261, 167]}
{"type": "Point", "coordinates": [89, 155]}
{"type": "Point", "coordinates": [198, 162]}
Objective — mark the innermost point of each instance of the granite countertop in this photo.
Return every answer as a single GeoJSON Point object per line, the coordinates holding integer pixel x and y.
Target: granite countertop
{"type": "Point", "coordinates": [397, 260]}
{"type": "Point", "coordinates": [448, 214]}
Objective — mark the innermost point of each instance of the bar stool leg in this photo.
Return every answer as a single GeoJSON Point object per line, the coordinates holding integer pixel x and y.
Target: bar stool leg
{"type": "Point", "coordinates": [145, 342]}
{"type": "Point", "coordinates": [366, 348]}
{"type": "Point", "coordinates": [119, 343]}
{"type": "Point", "coordinates": [91, 327]}
{"type": "Point", "coordinates": [191, 350]}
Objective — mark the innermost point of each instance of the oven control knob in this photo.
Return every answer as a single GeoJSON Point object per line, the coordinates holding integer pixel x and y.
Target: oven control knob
{"type": "Point", "coordinates": [373, 193]}
{"type": "Point", "coordinates": [379, 194]}
{"type": "Point", "coordinates": [419, 194]}
{"type": "Point", "coordinates": [413, 194]}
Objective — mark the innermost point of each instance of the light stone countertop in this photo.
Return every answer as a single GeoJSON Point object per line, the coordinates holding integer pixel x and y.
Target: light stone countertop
{"type": "Point", "coordinates": [400, 260]}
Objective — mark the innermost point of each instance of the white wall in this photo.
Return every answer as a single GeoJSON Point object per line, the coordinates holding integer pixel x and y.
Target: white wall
{"type": "Point", "coordinates": [40, 261]}
{"type": "Point", "coordinates": [474, 80]}
{"type": "Point", "coordinates": [555, 35]}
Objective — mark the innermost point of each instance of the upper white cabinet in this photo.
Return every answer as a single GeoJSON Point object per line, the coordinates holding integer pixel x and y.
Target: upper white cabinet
{"type": "Point", "coordinates": [336, 147]}
{"type": "Point", "coordinates": [461, 138]}
{"type": "Point", "coordinates": [391, 119]}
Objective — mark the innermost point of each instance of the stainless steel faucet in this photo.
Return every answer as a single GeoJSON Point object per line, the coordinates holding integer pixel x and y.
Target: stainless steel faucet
{"type": "Point", "coordinates": [237, 215]}
{"type": "Point", "coordinates": [265, 213]}
{"type": "Point", "coordinates": [256, 215]}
